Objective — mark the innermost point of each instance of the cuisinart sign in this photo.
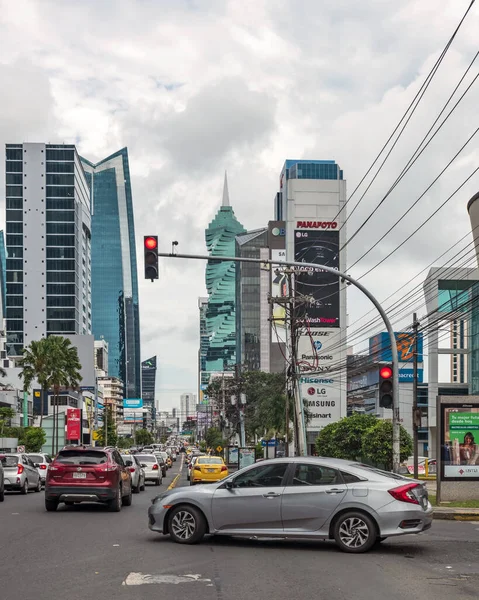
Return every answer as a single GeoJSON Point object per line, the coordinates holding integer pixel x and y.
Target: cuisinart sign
{"type": "Point", "coordinates": [321, 397]}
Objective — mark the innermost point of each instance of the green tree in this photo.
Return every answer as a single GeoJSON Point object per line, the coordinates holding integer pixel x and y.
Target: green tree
{"type": "Point", "coordinates": [107, 435]}
{"type": "Point", "coordinates": [6, 416]}
{"type": "Point", "coordinates": [124, 443]}
{"type": "Point", "coordinates": [143, 437]}
{"type": "Point", "coordinates": [343, 439]}
{"type": "Point", "coordinates": [36, 363]}
{"type": "Point", "coordinates": [377, 446]}
{"type": "Point", "coordinates": [33, 438]}
{"type": "Point", "coordinates": [163, 439]}
{"type": "Point", "coordinates": [213, 438]}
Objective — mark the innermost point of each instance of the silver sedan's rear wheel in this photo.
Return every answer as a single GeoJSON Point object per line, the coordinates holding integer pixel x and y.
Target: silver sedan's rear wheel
{"type": "Point", "coordinates": [186, 525]}
{"type": "Point", "coordinates": [355, 532]}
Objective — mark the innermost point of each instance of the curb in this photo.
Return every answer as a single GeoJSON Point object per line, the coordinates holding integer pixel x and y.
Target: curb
{"type": "Point", "coordinates": [456, 516]}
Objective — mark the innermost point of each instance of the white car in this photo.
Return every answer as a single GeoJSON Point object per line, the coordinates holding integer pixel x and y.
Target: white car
{"type": "Point", "coordinates": [42, 460]}
{"type": "Point", "coordinates": [152, 468]}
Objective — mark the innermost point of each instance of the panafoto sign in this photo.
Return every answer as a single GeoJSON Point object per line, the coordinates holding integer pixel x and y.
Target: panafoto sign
{"type": "Point", "coordinates": [316, 225]}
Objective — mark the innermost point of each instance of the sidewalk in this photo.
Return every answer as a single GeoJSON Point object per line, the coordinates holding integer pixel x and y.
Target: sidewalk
{"type": "Point", "coordinates": [447, 513]}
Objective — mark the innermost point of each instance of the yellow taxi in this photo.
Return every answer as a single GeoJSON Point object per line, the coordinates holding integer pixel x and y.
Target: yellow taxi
{"type": "Point", "coordinates": [208, 469]}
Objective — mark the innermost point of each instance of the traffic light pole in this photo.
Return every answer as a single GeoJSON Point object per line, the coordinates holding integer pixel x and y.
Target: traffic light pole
{"type": "Point", "coordinates": [366, 292]}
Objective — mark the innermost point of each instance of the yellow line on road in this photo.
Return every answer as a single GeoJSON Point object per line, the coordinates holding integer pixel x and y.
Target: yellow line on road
{"type": "Point", "coordinates": [175, 480]}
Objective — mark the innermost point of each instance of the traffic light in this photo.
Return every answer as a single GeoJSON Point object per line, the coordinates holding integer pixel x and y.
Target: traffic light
{"type": "Point", "coordinates": [150, 247]}
{"type": "Point", "coordinates": [386, 386]}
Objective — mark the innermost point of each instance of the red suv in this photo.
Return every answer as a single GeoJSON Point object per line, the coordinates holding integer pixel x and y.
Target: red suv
{"type": "Point", "coordinates": [88, 474]}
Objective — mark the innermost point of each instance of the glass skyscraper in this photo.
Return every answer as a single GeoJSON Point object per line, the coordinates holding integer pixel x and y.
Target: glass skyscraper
{"type": "Point", "coordinates": [48, 232]}
{"type": "Point", "coordinates": [114, 272]}
{"type": "Point", "coordinates": [220, 283]}
{"type": "Point", "coordinates": [148, 387]}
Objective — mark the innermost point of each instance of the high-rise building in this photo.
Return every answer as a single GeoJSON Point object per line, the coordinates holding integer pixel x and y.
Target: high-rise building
{"type": "Point", "coordinates": [114, 272]}
{"type": "Point", "coordinates": [187, 406]}
{"type": "Point", "coordinates": [113, 394]}
{"type": "Point", "coordinates": [250, 302]}
{"type": "Point", "coordinates": [101, 358]}
{"type": "Point", "coordinates": [3, 276]}
{"type": "Point", "coordinates": [221, 284]}
{"type": "Point", "coordinates": [148, 386]}
{"type": "Point", "coordinates": [311, 200]}
{"type": "Point", "coordinates": [48, 232]}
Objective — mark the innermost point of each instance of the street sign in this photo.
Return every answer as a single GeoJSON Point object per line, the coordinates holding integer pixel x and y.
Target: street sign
{"type": "Point", "coordinates": [95, 435]}
{"type": "Point", "coordinates": [20, 449]}
{"type": "Point", "coordinates": [219, 448]}
{"type": "Point", "coordinates": [269, 443]}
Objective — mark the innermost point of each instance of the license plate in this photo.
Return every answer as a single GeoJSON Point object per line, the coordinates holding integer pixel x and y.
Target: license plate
{"type": "Point", "coordinates": [79, 475]}
{"type": "Point", "coordinates": [211, 470]}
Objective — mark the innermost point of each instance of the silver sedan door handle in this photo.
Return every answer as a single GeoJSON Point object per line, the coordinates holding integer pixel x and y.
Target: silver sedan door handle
{"type": "Point", "coordinates": [335, 491]}
{"type": "Point", "coordinates": [271, 495]}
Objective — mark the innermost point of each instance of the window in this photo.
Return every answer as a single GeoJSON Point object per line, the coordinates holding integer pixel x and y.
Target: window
{"type": "Point", "coordinates": [14, 313]}
{"type": "Point", "coordinates": [53, 167]}
{"type": "Point", "coordinates": [60, 288]}
{"type": "Point", "coordinates": [14, 288]}
{"type": "Point", "coordinates": [88, 457]}
{"type": "Point", "coordinates": [60, 192]}
{"type": "Point", "coordinates": [14, 264]}
{"type": "Point", "coordinates": [60, 252]}
{"type": "Point", "coordinates": [262, 476]}
{"type": "Point", "coordinates": [60, 301]}
{"type": "Point", "coordinates": [54, 326]}
{"type": "Point", "coordinates": [309, 474]}
{"type": "Point", "coordinates": [57, 240]}
{"type": "Point", "coordinates": [349, 478]}
{"type": "Point", "coordinates": [14, 190]}
{"type": "Point", "coordinates": [14, 179]}
{"type": "Point", "coordinates": [14, 203]}
{"type": "Point", "coordinates": [60, 215]}
{"type": "Point", "coordinates": [14, 227]}
{"type": "Point", "coordinates": [60, 204]}
{"type": "Point", "coordinates": [14, 167]}
{"type": "Point", "coordinates": [14, 325]}
{"type": "Point", "coordinates": [14, 215]}
{"type": "Point", "coordinates": [14, 240]}
{"type": "Point", "coordinates": [15, 276]}
{"type": "Point", "coordinates": [14, 252]}
{"type": "Point", "coordinates": [14, 153]}
{"type": "Point", "coordinates": [58, 228]}
{"type": "Point", "coordinates": [61, 179]}
{"type": "Point", "coordinates": [60, 265]}
{"type": "Point", "coordinates": [60, 154]}
{"type": "Point", "coordinates": [60, 277]}
{"type": "Point", "coordinates": [60, 313]}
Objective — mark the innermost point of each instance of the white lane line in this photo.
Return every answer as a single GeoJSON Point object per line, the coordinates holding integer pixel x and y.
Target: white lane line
{"type": "Point", "coordinates": [146, 579]}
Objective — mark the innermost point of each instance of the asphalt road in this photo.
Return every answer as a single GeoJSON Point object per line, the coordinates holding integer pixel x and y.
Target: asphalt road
{"type": "Point", "coordinates": [85, 552]}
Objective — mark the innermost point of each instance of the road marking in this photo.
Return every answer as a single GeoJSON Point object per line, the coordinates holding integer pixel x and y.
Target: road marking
{"type": "Point", "coordinates": [145, 579]}
{"type": "Point", "coordinates": [175, 480]}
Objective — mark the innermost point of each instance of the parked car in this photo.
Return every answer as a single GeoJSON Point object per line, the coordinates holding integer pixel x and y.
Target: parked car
{"type": "Point", "coordinates": [137, 472]}
{"type": "Point", "coordinates": [150, 464]}
{"type": "Point", "coordinates": [20, 473]}
{"type": "Point", "coordinates": [43, 460]}
{"type": "Point", "coordinates": [88, 474]}
{"type": "Point", "coordinates": [2, 482]}
{"type": "Point", "coordinates": [208, 469]}
{"type": "Point", "coordinates": [162, 463]}
{"type": "Point", "coordinates": [301, 497]}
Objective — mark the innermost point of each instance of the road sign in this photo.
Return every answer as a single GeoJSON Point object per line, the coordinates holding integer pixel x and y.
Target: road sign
{"type": "Point", "coordinates": [20, 449]}
{"type": "Point", "coordinates": [96, 435]}
{"type": "Point", "coordinates": [219, 449]}
{"type": "Point", "coordinates": [269, 443]}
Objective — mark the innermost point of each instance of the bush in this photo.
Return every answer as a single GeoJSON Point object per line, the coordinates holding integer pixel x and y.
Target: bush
{"type": "Point", "coordinates": [343, 439]}
{"type": "Point", "coordinates": [377, 444]}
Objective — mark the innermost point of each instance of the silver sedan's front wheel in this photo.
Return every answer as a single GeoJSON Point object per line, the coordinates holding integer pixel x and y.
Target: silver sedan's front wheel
{"type": "Point", "coordinates": [186, 525]}
{"type": "Point", "coordinates": [355, 532]}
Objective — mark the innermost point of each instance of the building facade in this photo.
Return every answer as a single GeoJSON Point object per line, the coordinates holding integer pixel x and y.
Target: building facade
{"type": "Point", "coordinates": [187, 406]}
{"type": "Point", "coordinates": [249, 299]}
{"type": "Point", "coordinates": [48, 244]}
{"type": "Point", "coordinates": [203, 377]}
{"type": "Point", "coordinates": [148, 388]}
{"type": "Point", "coordinates": [113, 393]}
{"type": "Point", "coordinates": [114, 273]}
{"type": "Point", "coordinates": [311, 200]}
{"type": "Point", "coordinates": [3, 275]}
{"type": "Point", "coordinates": [221, 284]}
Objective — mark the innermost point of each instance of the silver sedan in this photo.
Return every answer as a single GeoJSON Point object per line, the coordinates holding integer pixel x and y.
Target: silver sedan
{"type": "Point", "coordinates": [21, 473]}
{"type": "Point", "coordinates": [310, 498]}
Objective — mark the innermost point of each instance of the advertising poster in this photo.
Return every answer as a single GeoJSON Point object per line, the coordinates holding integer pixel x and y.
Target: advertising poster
{"type": "Point", "coordinates": [232, 456]}
{"type": "Point", "coordinates": [321, 395]}
{"type": "Point", "coordinates": [279, 287]}
{"type": "Point", "coordinates": [322, 248]}
{"type": "Point", "coordinates": [319, 351]}
{"type": "Point", "coordinates": [73, 424]}
{"type": "Point", "coordinates": [460, 441]}
{"type": "Point", "coordinates": [246, 457]}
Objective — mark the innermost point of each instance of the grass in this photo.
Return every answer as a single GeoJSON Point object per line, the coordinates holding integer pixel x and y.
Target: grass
{"type": "Point", "coordinates": [465, 504]}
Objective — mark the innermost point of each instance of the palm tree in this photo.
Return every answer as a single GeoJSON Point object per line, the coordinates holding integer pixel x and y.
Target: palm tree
{"type": "Point", "coordinates": [36, 363]}
{"type": "Point", "coordinates": [65, 372]}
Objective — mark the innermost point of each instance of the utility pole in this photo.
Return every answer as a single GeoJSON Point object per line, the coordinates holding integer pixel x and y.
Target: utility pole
{"type": "Point", "coordinates": [415, 411]}
{"type": "Point", "coordinates": [105, 423]}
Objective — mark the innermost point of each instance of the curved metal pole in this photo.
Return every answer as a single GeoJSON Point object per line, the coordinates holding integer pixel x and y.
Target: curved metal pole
{"type": "Point", "coordinates": [366, 292]}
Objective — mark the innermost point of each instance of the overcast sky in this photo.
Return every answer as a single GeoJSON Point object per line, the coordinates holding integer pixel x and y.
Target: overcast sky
{"type": "Point", "coordinates": [196, 87]}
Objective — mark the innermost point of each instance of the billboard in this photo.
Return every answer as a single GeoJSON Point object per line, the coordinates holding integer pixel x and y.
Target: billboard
{"type": "Point", "coordinates": [279, 287]}
{"type": "Point", "coordinates": [321, 396]}
{"type": "Point", "coordinates": [460, 441]}
{"type": "Point", "coordinates": [380, 347]}
{"type": "Point", "coordinates": [132, 403]}
{"type": "Point", "coordinates": [319, 352]}
{"type": "Point", "coordinates": [320, 247]}
{"type": "Point", "coordinates": [73, 424]}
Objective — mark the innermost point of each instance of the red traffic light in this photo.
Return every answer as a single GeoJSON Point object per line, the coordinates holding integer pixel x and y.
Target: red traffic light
{"type": "Point", "coordinates": [386, 373]}
{"type": "Point", "coordinates": [151, 243]}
